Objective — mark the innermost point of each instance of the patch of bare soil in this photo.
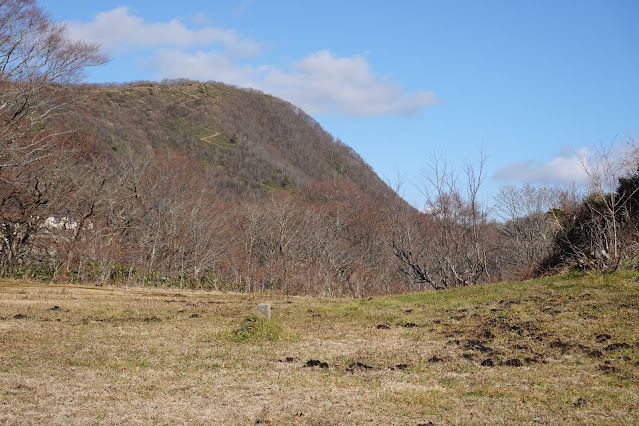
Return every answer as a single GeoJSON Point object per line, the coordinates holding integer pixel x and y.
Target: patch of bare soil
{"type": "Point", "coordinates": [398, 367]}
{"type": "Point", "coordinates": [316, 363]}
{"type": "Point", "coordinates": [356, 367]}
{"type": "Point", "coordinates": [489, 336]}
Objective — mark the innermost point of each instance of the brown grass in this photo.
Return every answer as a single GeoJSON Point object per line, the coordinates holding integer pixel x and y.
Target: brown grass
{"type": "Point", "coordinates": [85, 355]}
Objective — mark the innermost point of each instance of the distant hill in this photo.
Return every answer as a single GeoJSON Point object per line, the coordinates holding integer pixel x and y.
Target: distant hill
{"type": "Point", "coordinates": [258, 142]}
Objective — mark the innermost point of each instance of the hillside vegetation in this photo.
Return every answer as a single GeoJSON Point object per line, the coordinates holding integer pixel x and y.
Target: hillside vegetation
{"type": "Point", "coordinates": [256, 140]}
{"type": "Point", "coordinates": [203, 185]}
{"type": "Point", "coordinates": [200, 185]}
{"type": "Point", "coordinates": [553, 351]}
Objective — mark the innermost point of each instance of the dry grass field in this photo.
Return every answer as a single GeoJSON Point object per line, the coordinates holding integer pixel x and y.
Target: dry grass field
{"type": "Point", "coordinates": [554, 351]}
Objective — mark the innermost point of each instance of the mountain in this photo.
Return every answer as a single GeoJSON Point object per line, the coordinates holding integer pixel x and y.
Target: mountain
{"type": "Point", "coordinates": [256, 142]}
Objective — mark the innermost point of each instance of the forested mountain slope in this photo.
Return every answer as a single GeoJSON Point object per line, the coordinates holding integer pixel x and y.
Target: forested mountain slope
{"type": "Point", "coordinates": [256, 141]}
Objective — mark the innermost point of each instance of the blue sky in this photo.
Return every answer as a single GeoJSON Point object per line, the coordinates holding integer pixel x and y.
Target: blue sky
{"type": "Point", "coordinates": [532, 82]}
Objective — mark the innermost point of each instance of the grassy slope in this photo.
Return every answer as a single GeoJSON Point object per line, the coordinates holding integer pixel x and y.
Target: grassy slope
{"type": "Point", "coordinates": [154, 356]}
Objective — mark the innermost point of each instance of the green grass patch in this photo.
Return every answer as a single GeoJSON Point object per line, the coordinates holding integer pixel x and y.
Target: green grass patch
{"type": "Point", "coordinates": [258, 329]}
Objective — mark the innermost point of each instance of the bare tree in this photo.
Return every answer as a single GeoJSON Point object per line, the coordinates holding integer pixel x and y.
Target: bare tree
{"type": "Point", "coordinates": [179, 232]}
{"type": "Point", "coordinates": [600, 231]}
{"type": "Point", "coordinates": [527, 228]}
{"type": "Point", "coordinates": [446, 245]}
{"type": "Point", "coordinates": [36, 58]}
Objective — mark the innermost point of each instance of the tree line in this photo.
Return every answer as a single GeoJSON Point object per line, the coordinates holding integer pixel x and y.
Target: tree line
{"type": "Point", "coordinates": [240, 204]}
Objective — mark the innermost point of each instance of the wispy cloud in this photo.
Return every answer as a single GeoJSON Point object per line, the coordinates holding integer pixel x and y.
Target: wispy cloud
{"type": "Point", "coordinates": [202, 65]}
{"type": "Point", "coordinates": [241, 8]}
{"type": "Point", "coordinates": [567, 167]}
{"type": "Point", "coordinates": [201, 18]}
{"type": "Point", "coordinates": [121, 30]}
{"type": "Point", "coordinates": [322, 82]}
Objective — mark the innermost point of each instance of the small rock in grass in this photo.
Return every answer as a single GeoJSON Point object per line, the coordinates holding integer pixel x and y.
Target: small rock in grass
{"type": "Point", "coordinates": [264, 309]}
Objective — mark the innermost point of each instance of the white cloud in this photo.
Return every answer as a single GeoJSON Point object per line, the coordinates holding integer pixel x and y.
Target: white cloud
{"type": "Point", "coordinates": [319, 83]}
{"type": "Point", "coordinates": [599, 165]}
{"type": "Point", "coordinates": [323, 82]}
{"type": "Point", "coordinates": [120, 30]}
{"type": "Point", "coordinates": [203, 66]}
{"type": "Point", "coordinates": [201, 18]}
{"type": "Point", "coordinates": [567, 167]}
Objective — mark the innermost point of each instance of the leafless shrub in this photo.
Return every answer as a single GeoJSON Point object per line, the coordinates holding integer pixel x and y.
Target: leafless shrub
{"type": "Point", "coordinates": [448, 244]}
{"type": "Point", "coordinates": [601, 231]}
{"type": "Point", "coordinates": [527, 227]}
{"type": "Point", "coordinates": [36, 57]}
